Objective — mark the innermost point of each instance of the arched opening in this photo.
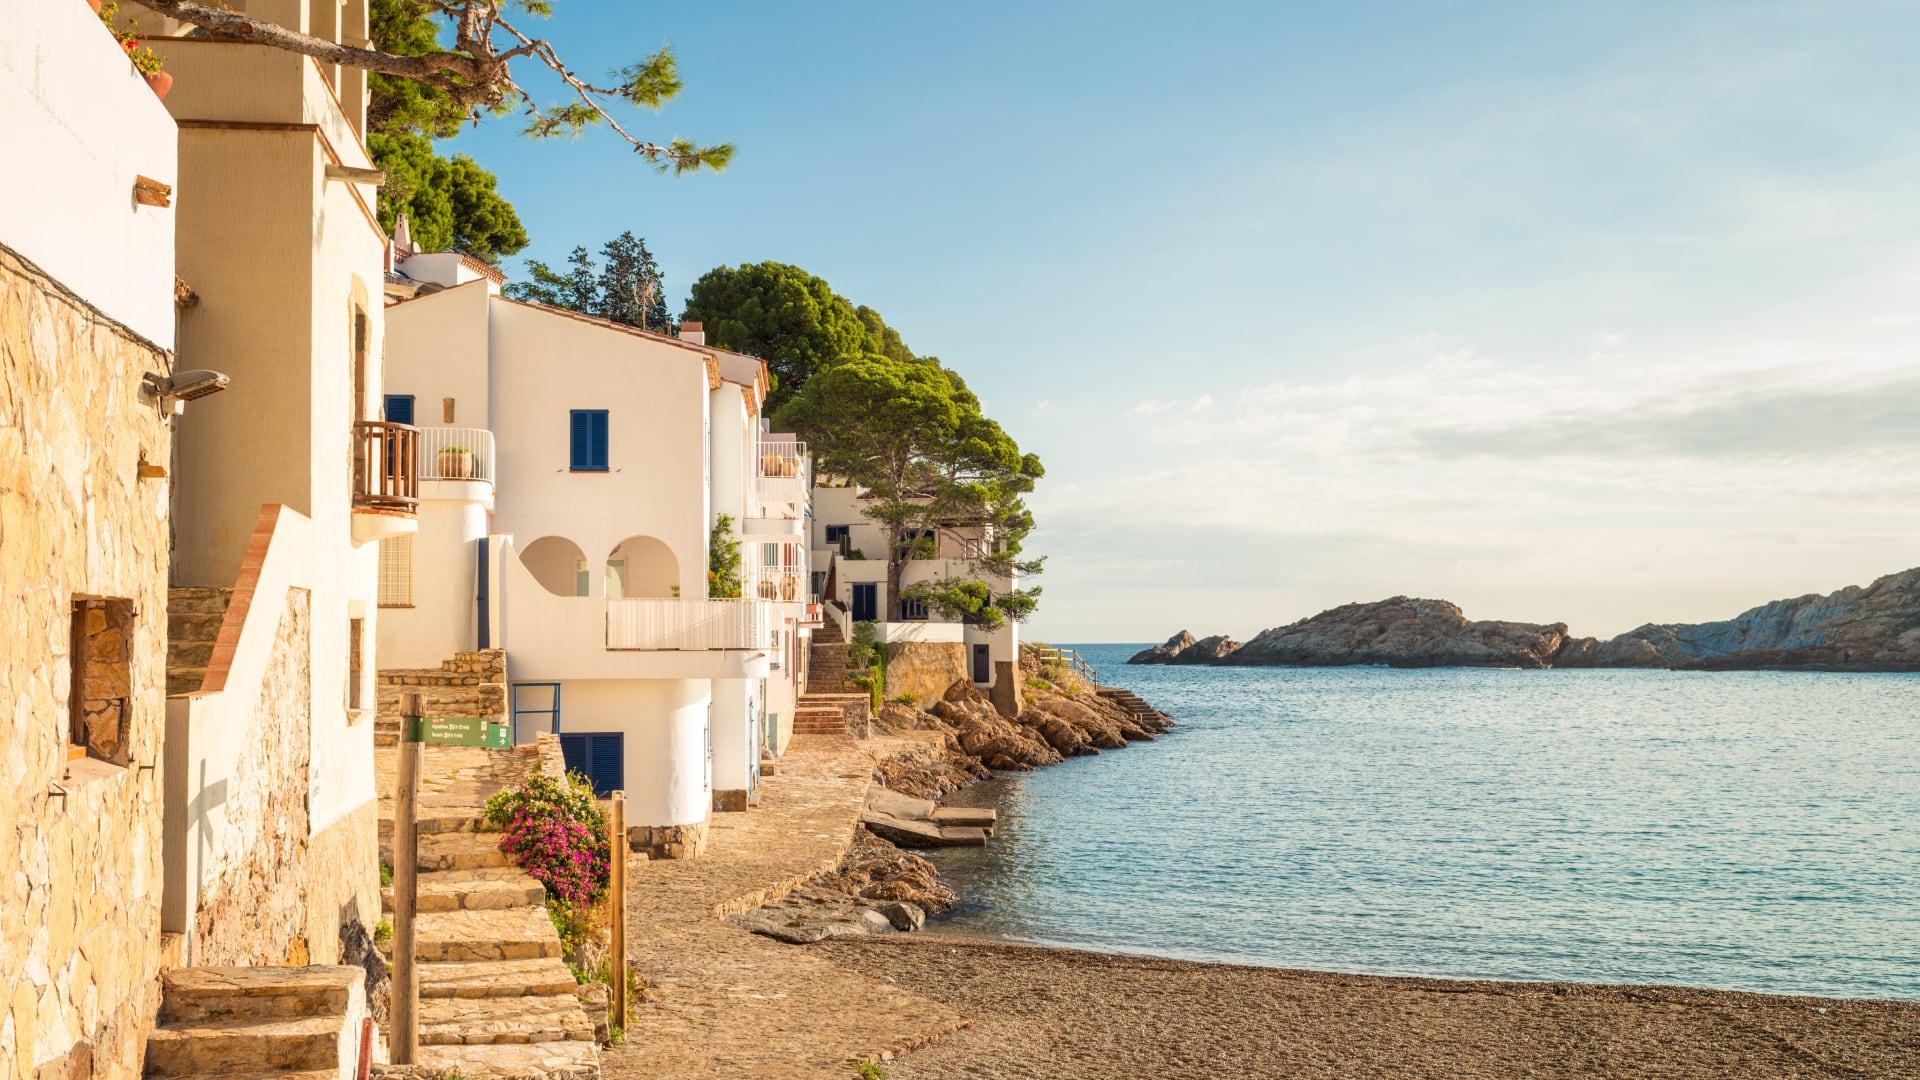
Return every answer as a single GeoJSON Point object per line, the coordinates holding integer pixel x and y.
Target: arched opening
{"type": "Point", "coordinates": [558, 564]}
{"type": "Point", "coordinates": [642, 566]}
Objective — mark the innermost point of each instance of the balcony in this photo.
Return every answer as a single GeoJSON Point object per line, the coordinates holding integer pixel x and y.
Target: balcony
{"type": "Point", "coordinates": [457, 454]}
{"type": "Point", "coordinates": [785, 472]}
{"type": "Point", "coordinates": [787, 584]}
{"type": "Point", "coordinates": [688, 625]}
{"type": "Point", "coordinates": [386, 480]}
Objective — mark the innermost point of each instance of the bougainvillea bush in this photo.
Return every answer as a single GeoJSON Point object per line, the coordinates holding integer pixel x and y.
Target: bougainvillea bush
{"type": "Point", "coordinates": [554, 831]}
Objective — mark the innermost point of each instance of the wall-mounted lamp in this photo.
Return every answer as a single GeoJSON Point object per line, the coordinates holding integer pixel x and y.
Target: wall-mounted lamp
{"type": "Point", "coordinates": [171, 393]}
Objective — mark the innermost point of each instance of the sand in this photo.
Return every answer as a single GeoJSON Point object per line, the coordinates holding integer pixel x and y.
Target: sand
{"type": "Point", "coordinates": [1060, 1013]}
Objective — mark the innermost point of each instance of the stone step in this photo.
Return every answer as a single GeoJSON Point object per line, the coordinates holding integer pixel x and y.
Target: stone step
{"type": "Point", "coordinates": [488, 889]}
{"type": "Point", "coordinates": [543, 976]}
{"type": "Point", "coordinates": [976, 816]}
{"type": "Point", "coordinates": [452, 851]}
{"type": "Point", "coordinates": [485, 1021]}
{"type": "Point", "coordinates": [524, 933]}
{"type": "Point", "coordinates": [568, 1059]}
{"type": "Point", "coordinates": [213, 994]}
{"type": "Point", "coordinates": [909, 833]}
{"type": "Point", "coordinates": [198, 600]}
{"type": "Point", "coordinates": [436, 821]}
{"type": "Point", "coordinates": [259, 1045]}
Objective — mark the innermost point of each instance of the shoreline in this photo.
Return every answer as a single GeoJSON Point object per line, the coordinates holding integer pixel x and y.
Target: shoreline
{"type": "Point", "coordinates": [1070, 1012]}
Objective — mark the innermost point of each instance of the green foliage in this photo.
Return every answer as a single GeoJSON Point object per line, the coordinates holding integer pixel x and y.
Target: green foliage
{"type": "Point", "coordinates": [960, 599]}
{"type": "Point", "coordinates": [864, 650]}
{"type": "Point", "coordinates": [386, 876]}
{"type": "Point", "coordinates": [575, 923]}
{"type": "Point", "coordinates": [127, 33]}
{"type": "Point", "coordinates": [626, 287]}
{"type": "Point", "coordinates": [723, 560]}
{"type": "Point", "coordinates": [867, 1070]}
{"type": "Point", "coordinates": [451, 203]}
{"type": "Point", "coordinates": [382, 932]}
{"type": "Point", "coordinates": [781, 314]}
{"type": "Point", "coordinates": [902, 699]}
{"type": "Point", "coordinates": [911, 433]}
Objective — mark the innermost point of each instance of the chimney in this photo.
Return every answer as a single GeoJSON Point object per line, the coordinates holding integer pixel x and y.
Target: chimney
{"type": "Point", "coordinates": [402, 237]}
{"type": "Point", "coordinates": [693, 333]}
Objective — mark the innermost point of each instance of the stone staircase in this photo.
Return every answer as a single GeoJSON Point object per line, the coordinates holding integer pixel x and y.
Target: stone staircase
{"type": "Point", "coordinates": [495, 995]}
{"type": "Point", "coordinates": [1131, 702]}
{"type": "Point", "coordinates": [827, 713]}
{"type": "Point", "coordinates": [251, 1023]}
{"type": "Point", "coordinates": [194, 616]}
{"type": "Point", "coordinates": [827, 666]}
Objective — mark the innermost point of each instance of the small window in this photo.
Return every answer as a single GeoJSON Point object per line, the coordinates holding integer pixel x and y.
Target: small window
{"type": "Point", "coordinates": [587, 440]}
{"type": "Point", "coordinates": [396, 571]}
{"type": "Point", "coordinates": [356, 670]}
{"type": "Point", "coordinates": [580, 577]}
{"type": "Point", "coordinates": [836, 533]}
{"type": "Point", "coordinates": [399, 408]}
{"type": "Point", "coordinates": [913, 610]}
{"type": "Point", "coordinates": [100, 713]}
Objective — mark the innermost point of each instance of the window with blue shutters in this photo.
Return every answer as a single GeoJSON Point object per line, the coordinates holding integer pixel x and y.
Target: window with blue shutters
{"type": "Point", "coordinates": [599, 756]}
{"type": "Point", "coordinates": [587, 440]}
{"type": "Point", "coordinates": [399, 408]}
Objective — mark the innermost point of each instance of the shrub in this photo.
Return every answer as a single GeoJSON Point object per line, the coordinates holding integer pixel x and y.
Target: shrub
{"type": "Point", "coordinates": [555, 831]}
{"type": "Point", "coordinates": [864, 649]}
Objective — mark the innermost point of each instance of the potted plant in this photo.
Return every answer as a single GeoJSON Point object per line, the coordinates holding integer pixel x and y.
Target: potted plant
{"type": "Point", "coordinates": [145, 60]}
{"type": "Point", "coordinates": [456, 463]}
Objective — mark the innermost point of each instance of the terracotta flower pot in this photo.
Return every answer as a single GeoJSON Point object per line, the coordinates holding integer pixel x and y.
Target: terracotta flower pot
{"type": "Point", "coordinates": [160, 82]}
{"type": "Point", "coordinates": [456, 464]}
{"type": "Point", "coordinates": [95, 5]}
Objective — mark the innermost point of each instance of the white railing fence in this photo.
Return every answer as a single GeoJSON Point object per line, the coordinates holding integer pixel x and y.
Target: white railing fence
{"type": "Point", "coordinates": [784, 583]}
{"type": "Point", "coordinates": [786, 473]}
{"type": "Point", "coordinates": [456, 453]}
{"type": "Point", "coordinates": [664, 623]}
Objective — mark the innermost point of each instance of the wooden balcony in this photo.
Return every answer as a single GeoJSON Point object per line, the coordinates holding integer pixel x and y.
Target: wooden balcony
{"type": "Point", "coordinates": [386, 467]}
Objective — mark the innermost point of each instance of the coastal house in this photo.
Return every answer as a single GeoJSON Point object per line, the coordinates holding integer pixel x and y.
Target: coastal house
{"type": "Point", "coordinates": [580, 479]}
{"type": "Point", "coordinates": [926, 651]}
{"type": "Point", "coordinates": [189, 506]}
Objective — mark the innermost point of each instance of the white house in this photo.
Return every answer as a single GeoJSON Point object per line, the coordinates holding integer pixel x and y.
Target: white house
{"type": "Point", "coordinates": [573, 471]}
{"type": "Point", "coordinates": [851, 552]}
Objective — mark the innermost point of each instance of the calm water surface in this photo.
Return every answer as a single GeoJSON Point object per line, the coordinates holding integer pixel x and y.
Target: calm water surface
{"type": "Point", "coordinates": [1753, 829]}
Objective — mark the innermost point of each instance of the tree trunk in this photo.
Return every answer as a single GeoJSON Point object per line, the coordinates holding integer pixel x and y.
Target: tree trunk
{"type": "Point", "coordinates": [896, 569]}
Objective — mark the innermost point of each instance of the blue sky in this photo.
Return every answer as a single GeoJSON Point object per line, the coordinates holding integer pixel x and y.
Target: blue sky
{"type": "Point", "coordinates": [1603, 313]}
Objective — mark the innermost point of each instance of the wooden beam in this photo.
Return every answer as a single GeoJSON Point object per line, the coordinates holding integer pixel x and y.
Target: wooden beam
{"type": "Point", "coordinates": [406, 860]}
{"type": "Point", "coordinates": [150, 192]}
{"type": "Point", "coordinates": [355, 175]}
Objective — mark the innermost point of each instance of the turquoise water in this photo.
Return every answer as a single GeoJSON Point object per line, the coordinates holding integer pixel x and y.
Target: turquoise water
{"type": "Point", "coordinates": [1755, 830]}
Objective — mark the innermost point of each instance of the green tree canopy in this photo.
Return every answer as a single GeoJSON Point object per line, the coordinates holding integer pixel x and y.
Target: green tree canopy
{"type": "Point", "coordinates": [791, 319]}
{"type": "Point", "coordinates": [451, 204]}
{"type": "Point", "coordinates": [626, 286]}
{"type": "Point", "coordinates": [913, 436]}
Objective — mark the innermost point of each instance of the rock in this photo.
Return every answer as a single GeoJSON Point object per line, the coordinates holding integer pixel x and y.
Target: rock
{"type": "Point", "coordinates": [1859, 628]}
{"type": "Point", "coordinates": [903, 916]}
{"type": "Point", "coordinates": [1165, 652]}
{"type": "Point", "coordinates": [876, 921]}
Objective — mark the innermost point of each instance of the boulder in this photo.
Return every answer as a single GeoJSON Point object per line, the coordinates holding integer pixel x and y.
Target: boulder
{"type": "Point", "coordinates": [1165, 652]}
{"type": "Point", "coordinates": [903, 916]}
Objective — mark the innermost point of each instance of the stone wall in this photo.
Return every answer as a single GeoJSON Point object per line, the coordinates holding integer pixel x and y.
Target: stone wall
{"type": "Point", "coordinates": [254, 910]}
{"type": "Point", "coordinates": [80, 915]}
{"type": "Point", "coordinates": [669, 841]}
{"type": "Point", "coordinates": [470, 684]}
{"type": "Point", "coordinates": [924, 669]}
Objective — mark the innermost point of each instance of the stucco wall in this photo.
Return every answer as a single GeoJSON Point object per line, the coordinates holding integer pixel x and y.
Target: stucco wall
{"type": "Point", "coordinates": [668, 779]}
{"type": "Point", "coordinates": [79, 921]}
{"type": "Point", "coordinates": [81, 125]}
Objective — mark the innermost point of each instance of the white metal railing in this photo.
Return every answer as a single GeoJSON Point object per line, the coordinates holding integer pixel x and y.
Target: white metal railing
{"type": "Point", "coordinates": [456, 453]}
{"type": "Point", "coordinates": [663, 623]}
{"type": "Point", "coordinates": [786, 473]}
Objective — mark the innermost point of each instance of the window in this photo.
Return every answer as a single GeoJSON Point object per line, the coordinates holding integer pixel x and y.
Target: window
{"type": "Point", "coordinates": [836, 533]}
{"type": "Point", "coordinates": [913, 610]}
{"type": "Point", "coordinates": [399, 408]}
{"type": "Point", "coordinates": [599, 756]}
{"type": "Point", "coordinates": [356, 671]}
{"type": "Point", "coordinates": [587, 440]}
{"type": "Point", "coordinates": [396, 571]}
{"type": "Point", "coordinates": [580, 577]}
{"type": "Point", "coordinates": [361, 337]}
{"type": "Point", "coordinates": [616, 579]}
{"type": "Point", "coordinates": [99, 713]}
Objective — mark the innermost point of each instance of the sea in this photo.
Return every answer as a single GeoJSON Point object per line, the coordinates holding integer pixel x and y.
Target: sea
{"type": "Point", "coordinates": [1747, 830]}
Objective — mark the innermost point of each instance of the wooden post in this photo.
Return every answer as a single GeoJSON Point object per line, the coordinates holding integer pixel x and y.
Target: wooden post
{"type": "Point", "coordinates": [617, 889]}
{"type": "Point", "coordinates": [406, 860]}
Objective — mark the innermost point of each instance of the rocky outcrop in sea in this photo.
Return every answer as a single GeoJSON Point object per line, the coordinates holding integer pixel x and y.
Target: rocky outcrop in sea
{"type": "Point", "coordinates": [1860, 628]}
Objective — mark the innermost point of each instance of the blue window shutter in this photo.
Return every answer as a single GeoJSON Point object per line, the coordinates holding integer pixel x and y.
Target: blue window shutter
{"type": "Point", "coordinates": [574, 749]}
{"type": "Point", "coordinates": [608, 768]}
{"type": "Point", "coordinates": [399, 408]}
{"type": "Point", "coordinates": [587, 439]}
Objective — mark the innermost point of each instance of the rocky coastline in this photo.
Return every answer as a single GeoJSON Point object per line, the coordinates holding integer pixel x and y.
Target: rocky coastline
{"type": "Point", "coordinates": [1874, 627]}
{"type": "Point", "coordinates": [879, 887]}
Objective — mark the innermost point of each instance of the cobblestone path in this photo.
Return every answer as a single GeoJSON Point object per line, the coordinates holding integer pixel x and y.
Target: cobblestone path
{"type": "Point", "coordinates": [734, 1004]}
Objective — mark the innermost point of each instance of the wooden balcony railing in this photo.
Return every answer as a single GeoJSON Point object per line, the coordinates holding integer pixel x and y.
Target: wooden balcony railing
{"type": "Point", "coordinates": [386, 466]}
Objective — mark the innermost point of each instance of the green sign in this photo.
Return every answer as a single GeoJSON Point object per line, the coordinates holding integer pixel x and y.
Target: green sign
{"type": "Point", "coordinates": [459, 731]}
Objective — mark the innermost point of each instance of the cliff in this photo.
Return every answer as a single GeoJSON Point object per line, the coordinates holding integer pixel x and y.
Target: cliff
{"type": "Point", "coordinates": [1870, 628]}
